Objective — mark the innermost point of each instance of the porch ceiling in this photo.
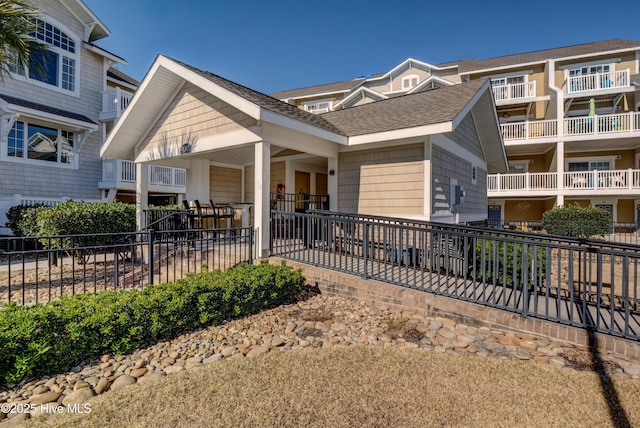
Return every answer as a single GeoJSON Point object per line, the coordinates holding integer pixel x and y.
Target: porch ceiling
{"type": "Point", "coordinates": [602, 144]}
{"type": "Point", "coordinates": [529, 149]}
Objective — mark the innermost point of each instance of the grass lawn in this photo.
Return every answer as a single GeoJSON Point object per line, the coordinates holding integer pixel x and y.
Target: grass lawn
{"type": "Point", "coordinates": [364, 387]}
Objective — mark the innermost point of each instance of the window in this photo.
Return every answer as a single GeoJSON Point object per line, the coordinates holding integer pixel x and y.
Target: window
{"type": "Point", "coordinates": [409, 82]}
{"type": "Point", "coordinates": [518, 167]}
{"type": "Point", "coordinates": [589, 166]}
{"type": "Point", "coordinates": [56, 66]}
{"type": "Point", "coordinates": [591, 69]}
{"type": "Point", "coordinates": [317, 107]}
{"type": "Point", "coordinates": [40, 143]}
{"type": "Point", "coordinates": [514, 80]}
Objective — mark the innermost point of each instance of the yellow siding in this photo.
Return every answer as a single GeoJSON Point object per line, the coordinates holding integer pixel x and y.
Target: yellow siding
{"type": "Point", "coordinates": [383, 181]}
{"type": "Point", "coordinates": [196, 112]}
{"type": "Point", "coordinates": [278, 175]}
{"type": "Point", "coordinates": [626, 212]}
{"type": "Point", "coordinates": [627, 157]}
{"type": "Point", "coordinates": [526, 210]}
{"type": "Point", "coordinates": [225, 184]}
{"type": "Point", "coordinates": [248, 184]}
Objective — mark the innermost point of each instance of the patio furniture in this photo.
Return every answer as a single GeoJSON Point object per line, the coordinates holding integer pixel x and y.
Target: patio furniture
{"type": "Point", "coordinates": [206, 218]}
{"type": "Point", "coordinates": [223, 215]}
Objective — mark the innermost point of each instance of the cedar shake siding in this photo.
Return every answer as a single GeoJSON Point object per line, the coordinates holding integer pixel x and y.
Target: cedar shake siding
{"type": "Point", "coordinates": [387, 181]}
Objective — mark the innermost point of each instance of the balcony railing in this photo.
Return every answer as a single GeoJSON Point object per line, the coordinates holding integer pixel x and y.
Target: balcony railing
{"type": "Point", "coordinates": [121, 174]}
{"type": "Point", "coordinates": [575, 126]}
{"type": "Point", "coordinates": [573, 182]}
{"type": "Point", "coordinates": [114, 101]}
{"type": "Point", "coordinates": [597, 81]}
{"type": "Point", "coordinates": [514, 91]}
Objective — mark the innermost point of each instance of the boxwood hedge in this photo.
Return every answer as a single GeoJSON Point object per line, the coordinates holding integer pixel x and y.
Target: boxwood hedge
{"type": "Point", "coordinates": [47, 338]}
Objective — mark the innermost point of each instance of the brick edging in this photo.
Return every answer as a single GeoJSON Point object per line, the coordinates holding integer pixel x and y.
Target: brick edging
{"type": "Point", "coordinates": [381, 294]}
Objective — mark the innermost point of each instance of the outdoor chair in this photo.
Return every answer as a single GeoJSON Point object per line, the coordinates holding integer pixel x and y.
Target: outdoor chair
{"type": "Point", "coordinates": [205, 217]}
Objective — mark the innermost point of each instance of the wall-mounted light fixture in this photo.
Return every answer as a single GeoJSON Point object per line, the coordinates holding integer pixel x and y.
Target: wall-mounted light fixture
{"type": "Point", "coordinates": [332, 172]}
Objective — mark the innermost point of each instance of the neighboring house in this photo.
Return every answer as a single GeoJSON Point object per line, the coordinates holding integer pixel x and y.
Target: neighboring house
{"type": "Point", "coordinates": [569, 118]}
{"type": "Point", "coordinates": [424, 155]}
{"type": "Point", "coordinates": [53, 124]}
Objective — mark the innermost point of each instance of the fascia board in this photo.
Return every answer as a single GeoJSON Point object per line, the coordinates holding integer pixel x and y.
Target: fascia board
{"type": "Point", "coordinates": [438, 128]}
{"type": "Point", "coordinates": [287, 122]}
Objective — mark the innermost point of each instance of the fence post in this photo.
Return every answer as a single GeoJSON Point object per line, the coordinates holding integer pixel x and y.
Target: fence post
{"type": "Point", "coordinates": [525, 278]}
{"type": "Point", "coordinates": [365, 251]}
{"type": "Point", "coordinates": [152, 236]}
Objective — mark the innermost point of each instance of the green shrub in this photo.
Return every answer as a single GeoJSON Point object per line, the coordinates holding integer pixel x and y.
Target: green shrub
{"type": "Point", "coordinates": [46, 338]}
{"type": "Point", "coordinates": [577, 221]}
{"type": "Point", "coordinates": [501, 262]}
{"type": "Point", "coordinates": [22, 220]}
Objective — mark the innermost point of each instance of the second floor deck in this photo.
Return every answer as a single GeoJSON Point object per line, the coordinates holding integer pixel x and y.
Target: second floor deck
{"type": "Point", "coordinates": [121, 174]}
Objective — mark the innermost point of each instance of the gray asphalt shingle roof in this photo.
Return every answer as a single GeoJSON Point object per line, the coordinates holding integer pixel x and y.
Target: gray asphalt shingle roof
{"type": "Point", "coordinates": [318, 89]}
{"type": "Point", "coordinates": [47, 109]}
{"type": "Point", "coordinates": [265, 101]}
{"type": "Point", "coordinates": [542, 55]}
{"type": "Point", "coordinates": [116, 74]}
{"type": "Point", "coordinates": [406, 111]}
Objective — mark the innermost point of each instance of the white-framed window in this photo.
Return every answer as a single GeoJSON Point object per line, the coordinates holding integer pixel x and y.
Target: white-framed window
{"type": "Point", "coordinates": [590, 69]}
{"type": "Point", "coordinates": [57, 64]}
{"type": "Point", "coordinates": [31, 142]}
{"type": "Point", "coordinates": [600, 163]}
{"type": "Point", "coordinates": [518, 167]}
{"type": "Point", "coordinates": [511, 80]}
{"type": "Point", "coordinates": [318, 106]}
{"type": "Point", "coordinates": [410, 81]}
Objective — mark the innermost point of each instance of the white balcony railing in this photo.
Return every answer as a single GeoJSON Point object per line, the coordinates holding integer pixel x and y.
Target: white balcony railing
{"type": "Point", "coordinates": [118, 173]}
{"type": "Point", "coordinates": [597, 81]}
{"type": "Point", "coordinates": [575, 126]}
{"type": "Point", "coordinates": [514, 91]}
{"type": "Point", "coordinates": [573, 182]}
{"type": "Point", "coordinates": [114, 101]}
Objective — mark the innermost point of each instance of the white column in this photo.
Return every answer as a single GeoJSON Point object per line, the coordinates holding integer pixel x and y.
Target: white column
{"type": "Point", "coordinates": [142, 194]}
{"type": "Point", "coordinates": [560, 168]}
{"type": "Point", "coordinates": [198, 180]}
{"type": "Point", "coordinates": [261, 191]}
{"type": "Point", "coordinates": [332, 183]}
{"type": "Point", "coordinates": [427, 180]}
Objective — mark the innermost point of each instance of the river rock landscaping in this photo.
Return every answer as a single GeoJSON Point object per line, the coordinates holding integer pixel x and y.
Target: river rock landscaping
{"type": "Point", "coordinates": [316, 322]}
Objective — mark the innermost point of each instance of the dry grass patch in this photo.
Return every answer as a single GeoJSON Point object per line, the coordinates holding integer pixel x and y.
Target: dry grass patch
{"type": "Point", "coordinates": [360, 386]}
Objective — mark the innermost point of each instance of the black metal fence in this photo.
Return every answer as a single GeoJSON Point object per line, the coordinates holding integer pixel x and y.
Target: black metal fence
{"type": "Point", "coordinates": [298, 202]}
{"type": "Point", "coordinates": [38, 269]}
{"type": "Point", "coordinates": [619, 232]}
{"type": "Point", "coordinates": [585, 283]}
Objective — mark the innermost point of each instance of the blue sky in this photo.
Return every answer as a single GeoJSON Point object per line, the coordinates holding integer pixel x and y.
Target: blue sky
{"type": "Point", "coordinates": [276, 45]}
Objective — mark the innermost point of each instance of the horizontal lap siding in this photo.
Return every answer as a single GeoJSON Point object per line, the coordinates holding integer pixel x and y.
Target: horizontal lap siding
{"type": "Point", "coordinates": [225, 184]}
{"type": "Point", "coordinates": [42, 179]}
{"type": "Point", "coordinates": [278, 175]}
{"type": "Point", "coordinates": [382, 181]}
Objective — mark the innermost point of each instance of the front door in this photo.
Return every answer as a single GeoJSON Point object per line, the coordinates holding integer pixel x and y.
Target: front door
{"type": "Point", "coordinates": [303, 186]}
{"type": "Point", "coordinates": [494, 216]}
{"type": "Point", "coordinates": [608, 208]}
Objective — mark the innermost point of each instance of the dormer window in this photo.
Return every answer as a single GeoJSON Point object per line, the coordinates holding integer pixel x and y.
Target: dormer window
{"type": "Point", "coordinates": [409, 82]}
{"type": "Point", "coordinates": [57, 64]}
{"type": "Point", "coordinates": [317, 106]}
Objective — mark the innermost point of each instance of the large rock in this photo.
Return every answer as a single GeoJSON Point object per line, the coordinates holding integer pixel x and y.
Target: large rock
{"type": "Point", "coordinates": [257, 350]}
{"type": "Point", "coordinates": [138, 372]}
{"type": "Point", "coordinates": [122, 382]}
{"type": "Point", "coordinates": [46, 397]}
{"type": "Point", "coordinates": [79, 396]}
{"type": "Point", "coordinates": [102, 386]}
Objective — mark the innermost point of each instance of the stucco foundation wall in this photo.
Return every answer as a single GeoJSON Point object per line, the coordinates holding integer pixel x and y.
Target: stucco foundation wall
{"type": "Point", "coordinates": [383, 295]}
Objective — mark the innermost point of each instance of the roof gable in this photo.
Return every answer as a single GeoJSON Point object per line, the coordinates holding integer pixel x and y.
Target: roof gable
{"type": "Point", "coordinates": [94, 28]}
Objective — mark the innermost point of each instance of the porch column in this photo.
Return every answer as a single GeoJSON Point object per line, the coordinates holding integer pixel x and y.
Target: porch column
{"type": "Point", "coordinates": [560, 168]}
{"type": "Point", "coordinates": [198, 180]}
{"type": "Point", "coordinates": [262, 181]}
{"type": "Point", "coordinates": [142, 194]}
{"type": "Point", "coordinates": [332, 183]}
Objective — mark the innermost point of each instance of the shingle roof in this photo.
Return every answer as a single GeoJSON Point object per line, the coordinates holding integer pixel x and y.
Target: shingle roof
{"type": "Point", "coordinates": [116, 74]}
{"type": "Point", "coordinates": [406, 111]}
{"type": "Point", "coordinates": [318, 89]}
{"type": "Point", "coordinates": [45, 108]}
{"type": "Point", "coordinates": [541, 55]}
{"type": "Point", "coordinates": [265, 101]}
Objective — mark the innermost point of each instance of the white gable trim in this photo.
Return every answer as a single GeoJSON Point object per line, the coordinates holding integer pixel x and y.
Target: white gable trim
{"type": "Point", "coordinates": [411, 62]}
{"type": "Point", "coordinates": [290, 123]}
{"type": "Point", "coordinates": [417, 131]}
{"type": "Point", "coordinates": [467, 108]}
{"type": "Point", "coordinates": [360, 91]}
{"type": "Point", "coordinates": [429, 80]}
{"type": "Point", "coordinates": [88, 19]}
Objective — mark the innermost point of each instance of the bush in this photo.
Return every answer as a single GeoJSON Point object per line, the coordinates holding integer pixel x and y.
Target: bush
{"type": "Point", "coordinates": [501, 263]}
{"type": "Point", "coordinates": [21, 219]}
{"type": "Point", "coordinates": [46, 338]}
{"type": "Point", "coordinates": [577, 221]}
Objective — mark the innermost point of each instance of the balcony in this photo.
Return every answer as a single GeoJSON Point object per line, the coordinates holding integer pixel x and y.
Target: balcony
{"type": "Point", "coordinates": [611, 81]}
{"type": "Point", "coordinates": [114, 101]}
{"type": "Point", "coordinates": [121, 174]}
{"type": "Point", "coordinates": [614, 182]}
{"type": "Point", "coordinates": [513, 92]}
{"type": "Point", "coordinates": [578, 127]}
